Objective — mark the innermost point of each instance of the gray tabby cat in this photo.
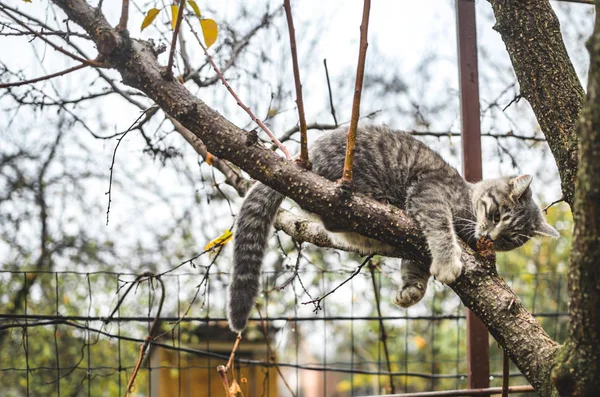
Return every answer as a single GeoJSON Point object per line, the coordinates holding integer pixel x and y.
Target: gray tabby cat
{"type": "Point", "coordinates": [395, 168]}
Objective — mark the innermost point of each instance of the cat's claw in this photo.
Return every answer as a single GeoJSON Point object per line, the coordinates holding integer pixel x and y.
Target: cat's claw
{"type": "Point", "coordinates": [410, 294]}
{"type": "Point", "coordinates": [447, 272]}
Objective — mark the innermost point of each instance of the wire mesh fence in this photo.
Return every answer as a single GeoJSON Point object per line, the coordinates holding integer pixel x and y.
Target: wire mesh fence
{"type": "Point", "coordinates": [73, 333]}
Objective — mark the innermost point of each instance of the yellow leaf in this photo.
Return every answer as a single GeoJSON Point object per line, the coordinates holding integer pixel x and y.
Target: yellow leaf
{"type": "Point", "coordinates": [210, 30]}
{"type": "Point", "coordinates": [221, 240]}
{"type": "Point", "coordinates": [150, 17]}
{"type": "Point", "coordinates": [420, 342]}
{"type": "Point", "coordinates": [209, 158]}
{"type": "Point", "coordinates": [26, 1]}
{"type": "Point", "coordinates": [174, 13]}
{"type": "Point", "coordinates": [234, 389]}
{"type": "Point", "coordinates": [194, 6]}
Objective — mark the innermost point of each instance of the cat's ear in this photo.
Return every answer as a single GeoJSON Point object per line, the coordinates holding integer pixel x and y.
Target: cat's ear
{"type": "Point", "coordinates": [545, 230]}
{"type": "Point", "coordinates": [519, 185]}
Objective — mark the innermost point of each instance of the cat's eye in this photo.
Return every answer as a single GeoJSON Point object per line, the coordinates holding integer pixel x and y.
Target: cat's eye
{"type": "Point", "coordinates": [496, 217]}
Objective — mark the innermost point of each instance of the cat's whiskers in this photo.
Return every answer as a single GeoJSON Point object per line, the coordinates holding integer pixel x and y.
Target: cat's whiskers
{"type": "Point", "coordinates": [469, 221]}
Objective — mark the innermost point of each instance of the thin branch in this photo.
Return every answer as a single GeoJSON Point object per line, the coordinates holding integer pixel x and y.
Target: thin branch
{"type": "Point", "coordinates": [560, 200]}
{"type": "Point", "coordinates": [47, 77]}
{"type": "Point", "coordinates": [233, 350]}
{"type": "Point", "coordinates": [187, 65]}
{"type": "Point", "coordinates": [505, 373]}
{"type": "Point", "coordinates": [223, 376]}
{"type": "Point", "coordinates": [56, 47]}
{"type": "Point", "coordinates": [175, 35]}
{"type": "Point", "coordinates": [149, 337]}
{"type": "Point", "coordinates": [383, 336]}
{"type": "Point", "coordinates": [233, 176]}
{"type": "Point", "coordinates": [272, 357]}
{"type": "Point", "coordinates": [239, 102]}
{"type": "Point", "coordinates": [112, 163]}
{"type": "Point", "coordinates": [317, 301]}
{"type": "Point", "coordinates": [330, 95]}
{"type": "Point", "coordinates": [236, 49]}
{"type": "Point", "coordinates": [360, 73]}
{"type": "Point", "coordinates": [124, 16]}
{"type": "Point", "coordinates": [304, 161]}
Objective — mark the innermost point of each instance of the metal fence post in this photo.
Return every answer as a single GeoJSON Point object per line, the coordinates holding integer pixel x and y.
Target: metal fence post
{"type": "Point", "coordinates": [478, 355]}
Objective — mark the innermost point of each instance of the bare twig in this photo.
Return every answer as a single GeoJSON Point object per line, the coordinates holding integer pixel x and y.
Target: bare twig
{"type": "Point", "coordinates": [149, 337]}
{"type": "Point", "coordinates": [330, 94]}
{"type": "Point", "coordinates": [560, 200]}
{"type": "Point", "coordinates": [187, 65]}
{"type": "Point", "coordinates": [505, 373]}
{"type": "Point", "coordinates": [175, 35]}
{"type": "Point", "coordinates": [222, 370]}
{"type": "Point", "coordinates": [383, 336]}
{"type": "Point", "coordinates": [317, 301]}
{"type": "Point", "coordinates": [56, 47]}
{"type": "Point", "coordinates": [233, 350]}
{"type": "Point", "coordinates": [360, 73]}
{"type": "Point", "coordinates": [47, 77]}
{"type": "Point", "coordinates": [304, 161]}
{"type": "Point", "coordinates": [239, 102]}
{"type": "Point", "coordinates": [223, 376]}
{"type": "Point", "coordinates": [233, 176]}
{"type": "Point", "coordinates": [516, 99]}
{"type": "Point", "coordinates": [124, 16]}
{"type": "Point", "coordinates": [112, 163]}
{"type": "Point", "coordinates": [272, 357]}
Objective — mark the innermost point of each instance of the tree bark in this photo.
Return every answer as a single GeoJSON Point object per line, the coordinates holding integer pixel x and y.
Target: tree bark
{"type": "Point", "coordinates": [578, 365]}
{"type": "Point", "coordinates": [548, 81]}
{"type": "Point", "coordinates": [480, 288]}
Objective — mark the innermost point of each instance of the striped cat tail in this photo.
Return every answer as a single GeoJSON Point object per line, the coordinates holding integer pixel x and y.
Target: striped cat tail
{"type": "Point", "coordinates": [250, 240]}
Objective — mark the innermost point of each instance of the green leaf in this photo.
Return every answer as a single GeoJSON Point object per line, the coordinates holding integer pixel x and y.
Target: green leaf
{"type": "Point", "coordinates": [210, 30]}
{"type": "Point", "coordinates": [150, 17]}
{"type": "Point", "coordinates": [194, 6]}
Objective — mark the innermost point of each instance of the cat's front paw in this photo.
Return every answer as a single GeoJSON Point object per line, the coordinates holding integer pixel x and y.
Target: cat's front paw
{"type": "Point", "coordinates": [409, 294]}
{"type": "Point", "coordinates": [448, 269]}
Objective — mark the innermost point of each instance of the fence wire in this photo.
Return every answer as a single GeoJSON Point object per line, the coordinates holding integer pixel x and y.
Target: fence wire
{"type": "Point", "coordinates": [79, 334]}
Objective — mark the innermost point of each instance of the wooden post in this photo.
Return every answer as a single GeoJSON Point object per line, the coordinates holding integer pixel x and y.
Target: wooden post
{"type": "Point", "coordinates": [478, 355]}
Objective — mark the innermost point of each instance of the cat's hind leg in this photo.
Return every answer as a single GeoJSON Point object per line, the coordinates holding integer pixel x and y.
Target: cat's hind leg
{"type": "Point", "coordinates": [414, 284]}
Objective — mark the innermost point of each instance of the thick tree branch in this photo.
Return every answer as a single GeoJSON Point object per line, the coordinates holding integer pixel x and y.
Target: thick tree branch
{"type": "Point", "coordinates": [578, 365]}
{"type": "Point", "coordinates": [548, 81]}
{"type": "Point", "coordinates": [479, 287]}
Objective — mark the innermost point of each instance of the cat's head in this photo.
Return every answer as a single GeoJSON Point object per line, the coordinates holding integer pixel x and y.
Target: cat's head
{"type": "Point", "coordinates": [507, 214]}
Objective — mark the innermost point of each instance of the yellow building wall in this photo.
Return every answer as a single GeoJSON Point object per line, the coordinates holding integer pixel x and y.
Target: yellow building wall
{"type": "Point", "coordinates": [198, 376]}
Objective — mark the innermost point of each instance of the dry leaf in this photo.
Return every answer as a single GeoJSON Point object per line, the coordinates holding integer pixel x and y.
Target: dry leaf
{"type": "Point", "coordinates": [221, 240]}
{"type": "Point", "coordinates": [210, 30]}
{"type": "Point", "coordinates": [194, 6]}
{"type": "Point", "coordinates": [150, 17]}
{"type": "Point", "coordinates": [174, 13]}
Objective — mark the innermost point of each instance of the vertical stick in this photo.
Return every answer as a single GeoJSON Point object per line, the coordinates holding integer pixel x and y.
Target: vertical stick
{"type": "Point", "coordinates": [505, 373]}
{"type": "Point", "coordinates": [478, 360]}
{"type": "Point", "coordinates": [330, 95]}
{"type": "Point", "coordinates": [124, 16]}
{"type": "Point", "coordinates": [360, 73]}
{"type": "Point", "coordinates": [180, 12]}
{"type": "Point", "coordinates": [304, 161]}
{"type": "Point", "coordinates": [383, 334]}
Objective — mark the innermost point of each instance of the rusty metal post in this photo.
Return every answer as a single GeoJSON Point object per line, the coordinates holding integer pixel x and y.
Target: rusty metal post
{"type": "Point", "coordinates": [478, 354]}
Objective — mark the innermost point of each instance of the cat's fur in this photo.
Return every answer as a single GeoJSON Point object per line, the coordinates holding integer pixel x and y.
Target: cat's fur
{"type": "Point", "coordinates": [395, 168]}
